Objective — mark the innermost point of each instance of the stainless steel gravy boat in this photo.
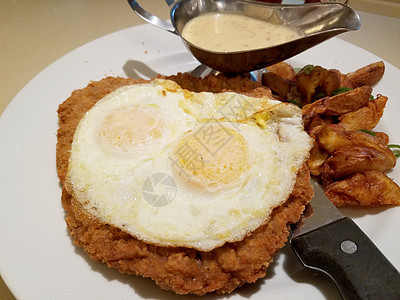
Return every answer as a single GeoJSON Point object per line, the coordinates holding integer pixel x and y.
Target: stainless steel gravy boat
{"type": "Point", "coordinates": [316, 21]}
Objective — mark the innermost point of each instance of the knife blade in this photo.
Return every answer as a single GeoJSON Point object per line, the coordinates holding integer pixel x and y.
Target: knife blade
{"type": "Point", "coordinates": [333, 244]}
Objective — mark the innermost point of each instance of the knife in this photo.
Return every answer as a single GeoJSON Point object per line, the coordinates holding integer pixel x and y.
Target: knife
{"type": "Point", "coordinates": [333, 244]}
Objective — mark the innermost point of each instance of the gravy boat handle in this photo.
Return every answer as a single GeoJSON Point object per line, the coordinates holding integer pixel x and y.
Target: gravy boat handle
{"type": "Point", "coordinates": [152, 19]}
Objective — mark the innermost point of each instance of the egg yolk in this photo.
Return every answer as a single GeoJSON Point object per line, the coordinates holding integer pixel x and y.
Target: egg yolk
{"type": "Point", "coordinates": [211, 155]}
{"type": "Point", "coordinates": [128, 129]}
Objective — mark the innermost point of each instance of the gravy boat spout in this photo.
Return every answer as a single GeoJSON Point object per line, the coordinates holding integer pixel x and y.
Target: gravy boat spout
{"type": "Point", "coordinates": [316, 22]}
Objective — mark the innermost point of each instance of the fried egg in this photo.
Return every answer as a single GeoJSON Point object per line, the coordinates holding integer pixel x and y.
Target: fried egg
{"type": "Point", "coordinates": [176, 168]}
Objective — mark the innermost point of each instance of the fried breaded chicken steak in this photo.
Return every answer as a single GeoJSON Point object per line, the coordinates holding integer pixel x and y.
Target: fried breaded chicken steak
{"type": "Point", "coordinates": [183, 270]}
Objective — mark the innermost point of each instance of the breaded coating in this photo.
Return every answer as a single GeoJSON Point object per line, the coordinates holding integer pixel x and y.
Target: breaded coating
{"type": "Point", "coordinates": [183, 270]}
{"type": "Point", "coordinates": [215, 83]}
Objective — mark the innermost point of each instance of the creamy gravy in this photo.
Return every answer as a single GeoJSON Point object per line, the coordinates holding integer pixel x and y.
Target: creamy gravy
{"type": "Point", "coordinates": [232, 32]}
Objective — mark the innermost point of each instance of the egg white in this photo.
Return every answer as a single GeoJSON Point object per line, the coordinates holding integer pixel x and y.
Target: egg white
{"type": "Point", "coordinates": [112, 164]}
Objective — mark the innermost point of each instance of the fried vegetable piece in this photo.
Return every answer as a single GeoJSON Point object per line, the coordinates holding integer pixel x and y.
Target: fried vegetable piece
{"type": "Point", "coordinates": [316, 159]}
{"type": "Point", "coordinates": [277, 84]}
{"type": "Point", "coordinates": [366, 117]}
{"type": "Point", "coordinates": [348, 101]}
{"type": "Point", "coordinates": [283, 70]}
{"type": "Point", "coordinates": [320, 121]}
{"type": "Point", "coordinates": [336, 105]}
{"type": "Point", "coordinates": [309, 82]}
{"type": "Point", "coordinates": [371, 188]}
{"type": "Point", "coordinates": [313, 110]}
{"type": "Point", "coordinates": [330, 81]}
{"type": "Point", "coordinates": [333, 137]}
{"type": "Point", "coordinates": [368, 75]}
{"type": "Point", "coordinates": [383, 137]}
{"type": "Point", "coordinates": [329, 138]}
{"type": "Point", "coordinates": [345, 81]}
{"type": "Point", "coordinates": [356, 159]}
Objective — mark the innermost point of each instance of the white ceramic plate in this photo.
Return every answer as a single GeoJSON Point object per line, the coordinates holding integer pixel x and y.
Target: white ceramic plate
{"type": "Point", "coordinates": [37, 257]}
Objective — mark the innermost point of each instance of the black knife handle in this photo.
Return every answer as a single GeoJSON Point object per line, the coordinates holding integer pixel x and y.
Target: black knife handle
{"type": "Point", "coordinates": [343, 251]}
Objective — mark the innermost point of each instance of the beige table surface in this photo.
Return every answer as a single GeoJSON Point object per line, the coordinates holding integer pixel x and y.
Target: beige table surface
{"type": "Point", "coordinates": [33, 34]}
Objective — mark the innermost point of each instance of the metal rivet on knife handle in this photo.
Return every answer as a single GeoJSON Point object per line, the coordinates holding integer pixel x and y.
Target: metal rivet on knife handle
{"type": "Point", "coordinates": [348, 246]}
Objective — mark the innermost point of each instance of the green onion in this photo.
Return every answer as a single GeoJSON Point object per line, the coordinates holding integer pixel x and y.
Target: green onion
{"type": "Point", "coordinates": [297, 70]}
{"type": "Point", "coordinates": [308, 69]}
{"type": "Point", "coordinates": [367, 131]}
{"type": "Point", "coordinates": [293, 101]}
{"type": "Point", "coordinates": [318, 95]}
{"type": "Point", "coordinates": [394, 146]}
{"type": "Point", "coordinates": [371, 97]}
{"type": "Point", "coordinates": [341, 90]}
{"type": "Point", "coordinates": [396, 150]}
{"type": "Point", "coordinates": [396, 153]}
